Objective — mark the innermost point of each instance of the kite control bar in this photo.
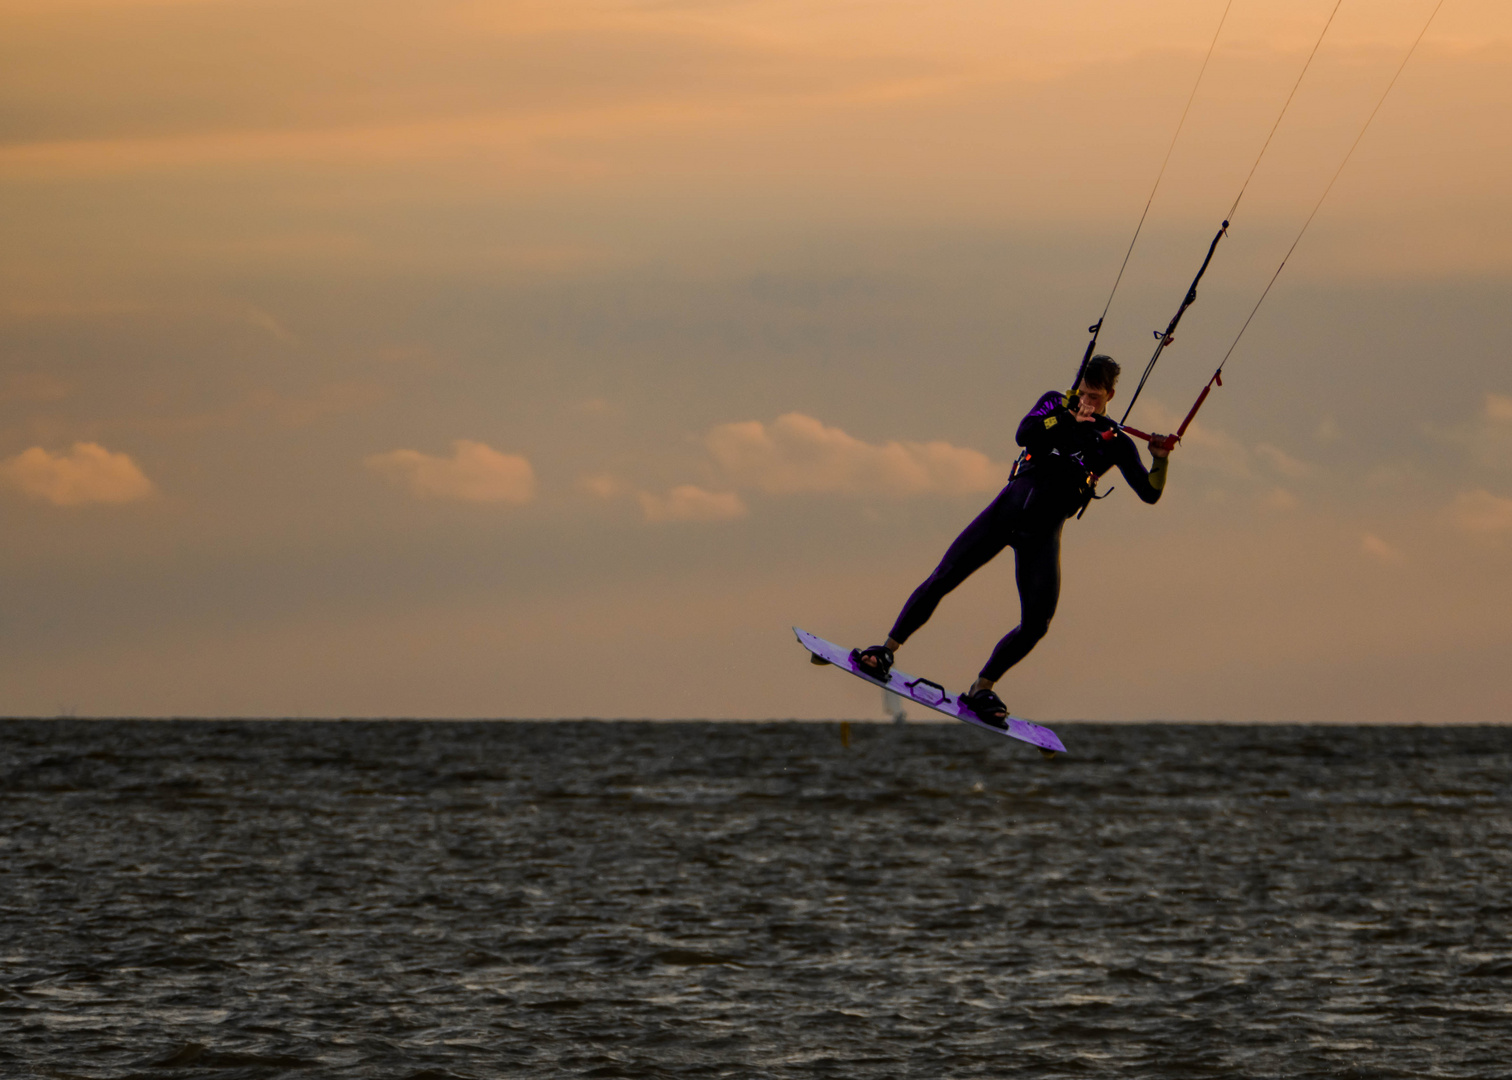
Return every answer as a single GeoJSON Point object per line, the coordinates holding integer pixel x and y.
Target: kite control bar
{"type": "Point", "coordinates": [1168, 442]}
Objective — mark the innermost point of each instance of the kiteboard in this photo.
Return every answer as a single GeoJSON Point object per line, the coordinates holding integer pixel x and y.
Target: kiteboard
{"type": "Point", "coordinates": [931, 695]}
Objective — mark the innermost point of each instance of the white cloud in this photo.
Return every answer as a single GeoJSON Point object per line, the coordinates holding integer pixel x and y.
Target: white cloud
{"type": "Point", "coordinates": [1283, 462]}
{"type": "Point", "coordinates": [1389, 476]}
{"type": "Point", "coordinates": [797, 453]}
{"type": "Point", "coordinates": [475, 472]}
{"type": "Point", "coordinates": [1379, 550]}
{"type": "Point", "coordinates": [690, 503]}
{"type": "Point", "coordinates": [600, 485]}
{"type": "Point", "coordinates": [1211, 451]}
{"type": "Point", "coordinates": [1280, 499]}
{"type": "Point", "coordinates": [88, 473]}
{"type": "Point", "coordinates": [1487, 437]}
{"type": "Point", "coordinates": [1491, 445]}
{"type": "Point", "coordinates": [599, 407]}
{"type": "Point", "coordinates": [1482, 512]}
{"type": "Point", "coordinates": [1202, 448]}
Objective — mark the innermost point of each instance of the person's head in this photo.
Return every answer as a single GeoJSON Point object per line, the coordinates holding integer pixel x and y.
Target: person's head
{"type": "Point", "coordinates": [1097, 384]}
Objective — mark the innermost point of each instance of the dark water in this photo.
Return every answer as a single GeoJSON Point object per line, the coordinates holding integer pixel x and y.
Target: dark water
{"type": "Point", "coordinates": [425, 900]}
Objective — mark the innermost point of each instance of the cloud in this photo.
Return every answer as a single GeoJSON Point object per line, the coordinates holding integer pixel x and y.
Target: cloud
{"type": "Point", "coordinates": [1212, 451]}
{"type": "Point", "coordinates": [475, 472]}
{"type": "Point", "coordinates": [600, 485]}
{"type": "Point", "coordinates": [262, 320]}
{"type": "Point", "coordinates": [1280, 499]}
{"type": "Point", "coordinates": [1379, 550]}
{"type": "Point", "coordinates": [599, 407]}
{"type": "Point", "coordinates": [1283, 462]}
{"type": "Point", "coordinates": [797, 453]}
{"type": "Point", "coordinates": [1203, 448]}
{"type": "Point", "coordinates": [1389, 476]}
{"type": "Point", "coordinates": [690, 503]}
{"type": "Point", "coordinates": [88, 473]}
{"type": "Point", "coordinates": [1488, 437]}
{"type": "Point", "coordinates": [1482, 512]}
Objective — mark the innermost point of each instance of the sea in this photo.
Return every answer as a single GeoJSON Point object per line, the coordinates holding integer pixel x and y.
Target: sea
{"type": "Point", "coordinates": [434, 900]}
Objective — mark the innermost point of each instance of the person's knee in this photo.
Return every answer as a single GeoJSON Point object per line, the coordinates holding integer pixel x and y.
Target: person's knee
{"type": "Point", "coordinates": [1035, 626]}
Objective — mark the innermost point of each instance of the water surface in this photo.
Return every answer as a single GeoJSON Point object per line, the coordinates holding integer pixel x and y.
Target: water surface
{"type": "Point", "coordinates": [430, 900]}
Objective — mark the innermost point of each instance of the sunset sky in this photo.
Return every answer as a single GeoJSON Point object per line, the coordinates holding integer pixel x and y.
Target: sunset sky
{"type": "Point", "coordinates": [553, 359]}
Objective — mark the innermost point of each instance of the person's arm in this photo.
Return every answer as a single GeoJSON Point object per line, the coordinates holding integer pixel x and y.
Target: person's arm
{"type": "Point", "coordinates": [1045, 424]}
{"type": "Point", "coordinates": [1147, 483]}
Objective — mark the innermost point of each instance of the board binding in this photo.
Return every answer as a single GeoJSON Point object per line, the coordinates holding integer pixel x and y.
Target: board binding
{"type": "Point", "coordinates": [930, 694]}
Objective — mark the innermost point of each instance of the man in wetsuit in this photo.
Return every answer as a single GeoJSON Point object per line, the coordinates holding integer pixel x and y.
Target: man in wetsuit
{"type": "Point", "coordinates": [1069, 443]}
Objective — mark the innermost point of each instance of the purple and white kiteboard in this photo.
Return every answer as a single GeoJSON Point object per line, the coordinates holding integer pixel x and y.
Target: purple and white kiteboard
{"type": "Point", "coordinates": [929, 694]}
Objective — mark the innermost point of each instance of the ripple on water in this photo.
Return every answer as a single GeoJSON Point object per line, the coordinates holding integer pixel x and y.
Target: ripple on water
{"type": "Point", "coordinates": [666, 900]}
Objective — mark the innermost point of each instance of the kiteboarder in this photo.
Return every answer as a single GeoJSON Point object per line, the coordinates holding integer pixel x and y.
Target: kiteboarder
{"type": "Point", "coordinates": [1069, 443]}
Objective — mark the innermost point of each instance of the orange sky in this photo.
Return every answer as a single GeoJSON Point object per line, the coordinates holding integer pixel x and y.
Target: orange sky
{"type": "Point", "coordinates": [551, 359]}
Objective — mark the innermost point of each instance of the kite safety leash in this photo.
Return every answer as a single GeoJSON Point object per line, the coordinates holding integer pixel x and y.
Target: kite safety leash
{"type": "Point", "coordinates": [1096, 327]}
{"type": "Point", "coordinates": [1170, 441]}
{"type": "Point", "coordinates": [1164, 339]}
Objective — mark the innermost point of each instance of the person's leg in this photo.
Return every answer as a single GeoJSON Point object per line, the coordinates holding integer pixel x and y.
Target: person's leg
{"type": "Point", "coordinates": [977, 545]}
{"type": "Point", "coordinates": [1037, 569]}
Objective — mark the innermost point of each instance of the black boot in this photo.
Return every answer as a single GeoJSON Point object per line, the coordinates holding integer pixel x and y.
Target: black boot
{"type": "Point", "coordinates": [876, 661]}
{"type": "Point", "coordinates": [987, 707]}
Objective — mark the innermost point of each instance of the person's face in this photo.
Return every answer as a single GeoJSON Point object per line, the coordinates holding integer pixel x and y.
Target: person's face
{"type": "Point", "coordinates": [1093, 402]}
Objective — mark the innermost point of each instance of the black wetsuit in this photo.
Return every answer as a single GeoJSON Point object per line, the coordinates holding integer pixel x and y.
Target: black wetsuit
{"type": "Point", "coordinates": [1065, 458]}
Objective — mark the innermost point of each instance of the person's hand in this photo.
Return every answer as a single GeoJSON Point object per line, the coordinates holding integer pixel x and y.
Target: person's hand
{"type": "Point", "coordinates": [1162, 445]}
